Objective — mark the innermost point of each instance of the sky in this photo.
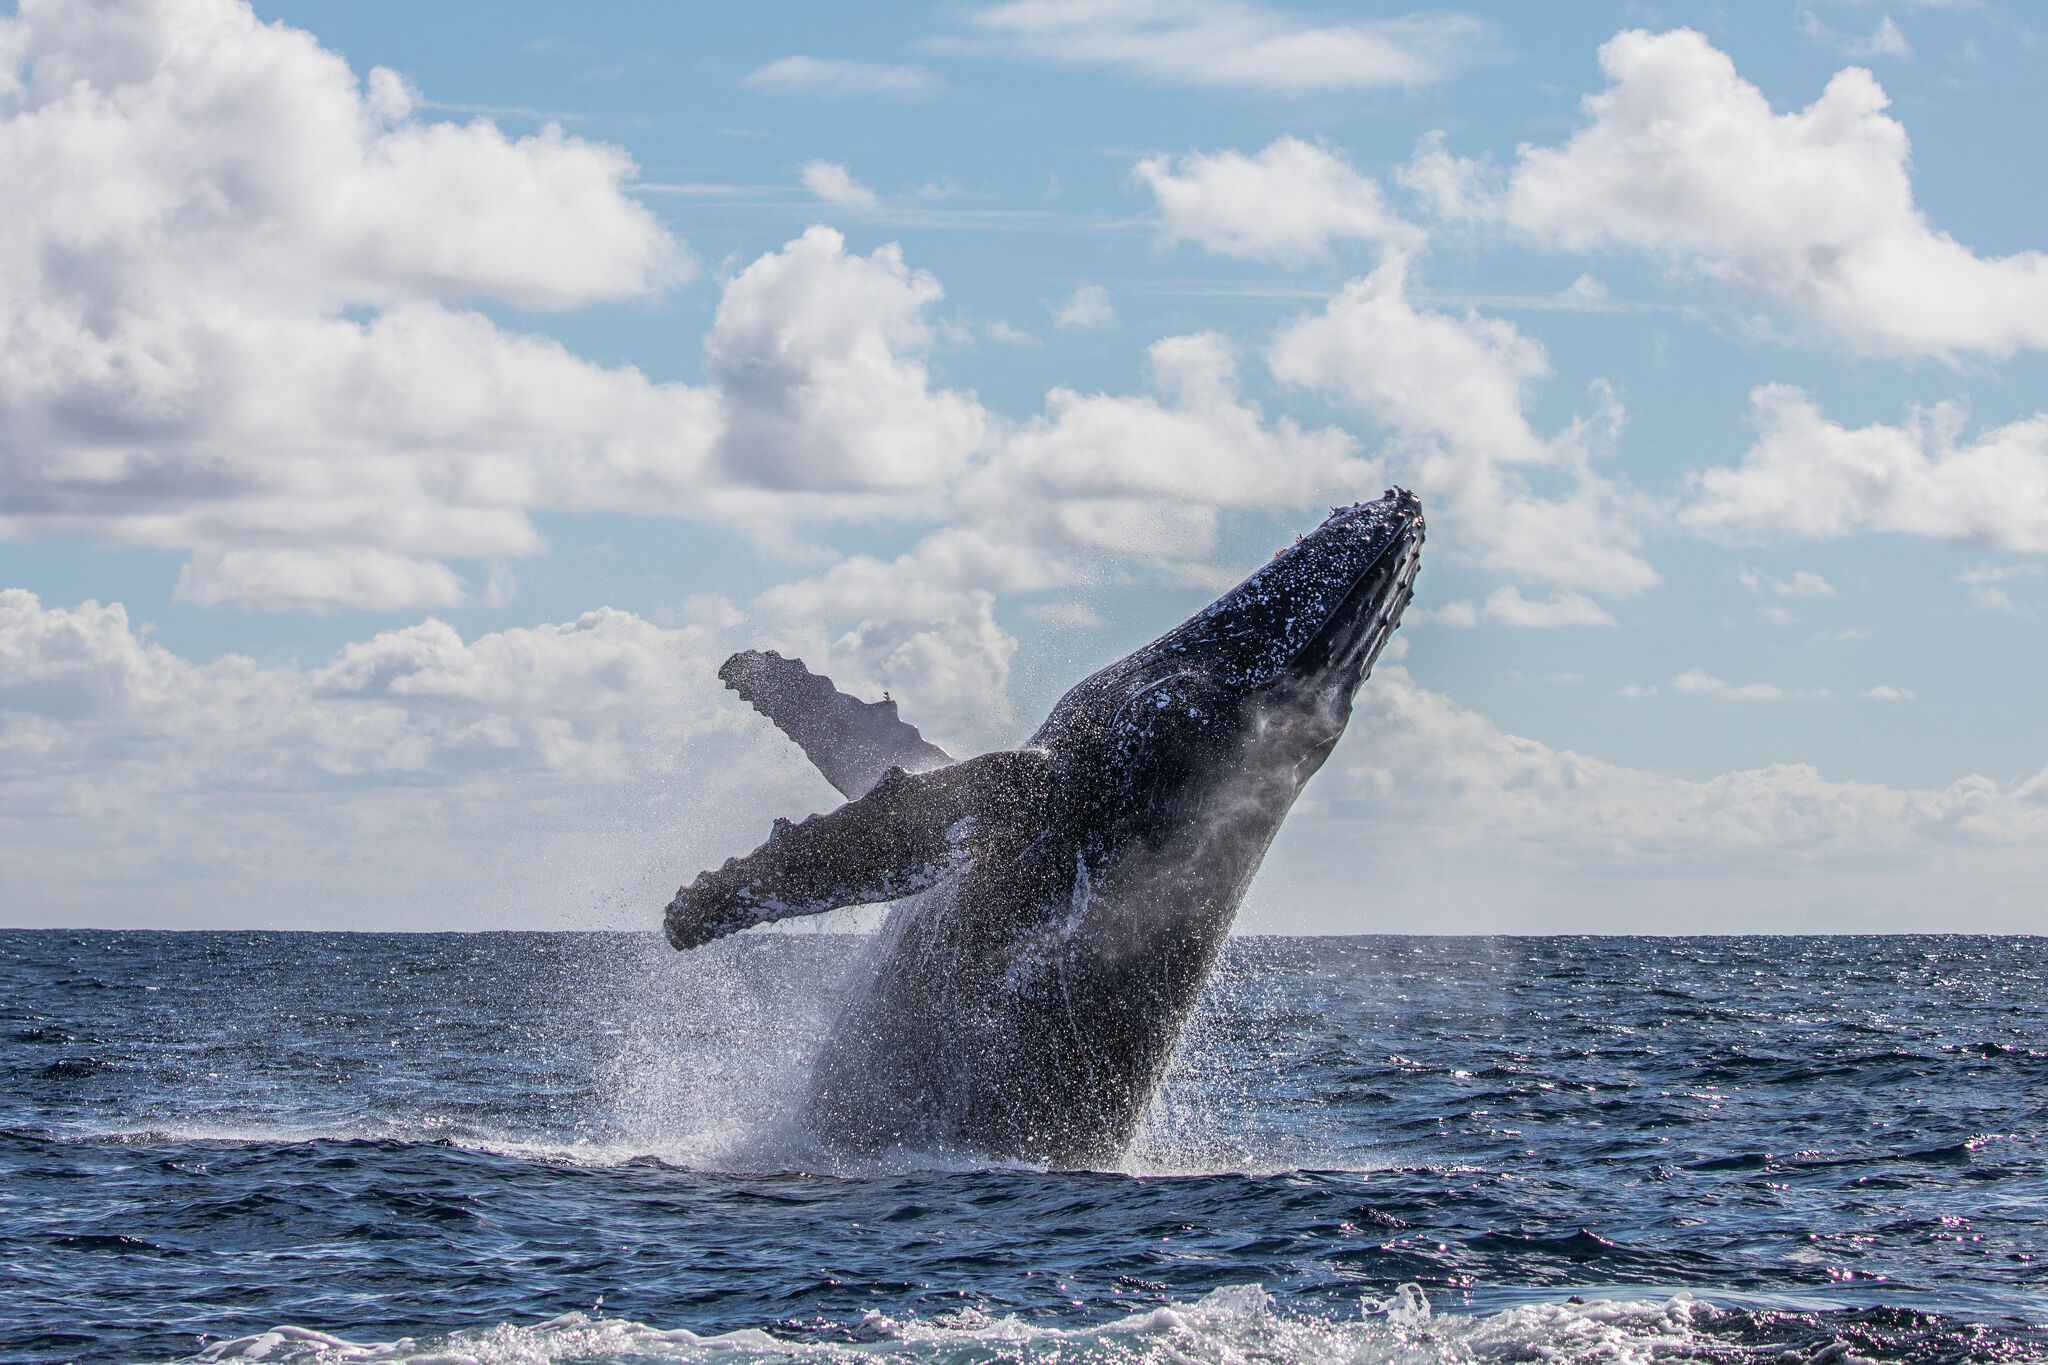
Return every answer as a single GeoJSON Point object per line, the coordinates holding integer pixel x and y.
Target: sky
{"type": "Point", "coordinates": [405, 408]}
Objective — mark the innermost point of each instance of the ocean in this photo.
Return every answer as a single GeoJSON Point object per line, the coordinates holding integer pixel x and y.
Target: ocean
{"type": "Point", "coordinates": [580, 1147]}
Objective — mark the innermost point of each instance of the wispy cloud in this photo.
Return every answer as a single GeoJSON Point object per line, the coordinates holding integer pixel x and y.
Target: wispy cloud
{"type": "Point", "coordinates": [1229, 44]}
{"type": "Point", "coordinates": [506, 111]}
{"type": "Point", "coordinates": [838, 78]}
{"type": "Point", "coordinates": [1088, 309]}
{"type": "Point", "coordinates": [1002, 331]}
{"type": "Point", "coordinates": [1699, 683]}
{"type": "Point", "coordinates": [1507, 607]}
{"type": "Point", "coordinates": [1983, 583]}
{"type": "Point", "coordinates": [834, 184]}
{"type": "Point", "coordinates": [1804, 583]}
{"type": "Point", "coordinates": [1886, 40]}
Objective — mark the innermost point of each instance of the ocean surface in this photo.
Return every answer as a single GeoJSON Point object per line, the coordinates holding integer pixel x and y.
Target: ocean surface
{"type": "Point", "coordinates": [579, 1147]}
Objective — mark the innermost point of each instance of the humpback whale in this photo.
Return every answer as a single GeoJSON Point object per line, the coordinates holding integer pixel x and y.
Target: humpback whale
{"type": "Point", "coordinates": [1059, 905]}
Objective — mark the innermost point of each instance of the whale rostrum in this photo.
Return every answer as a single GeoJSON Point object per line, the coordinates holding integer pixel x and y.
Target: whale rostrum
{"type": "Point", "coordinates": [1059, 906]}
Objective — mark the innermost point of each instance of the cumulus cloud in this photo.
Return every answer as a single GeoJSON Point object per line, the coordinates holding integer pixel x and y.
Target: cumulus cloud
{"type": "Point", "coordinates": [1699, 683]}
{"type": "Point", "coordinates": [1414, 756]}
{"type": "Point", "coordinates": [555, 775]}
{"type": "Point", "coordinates": [202, 200]}
{"type": "Point", "coordinates": [1229, 44]}
{"type": "Point", "coordinates": [914, 627]}
{"type": "Point", "coordinates": [1288, 202]}
{"type": "Point", "coordinates": [835, 185]}
{"type": "Point", "coordinates": [1476, 830]}
{"type": "Point", "coordinates": [1137, 480]}
{"type": "Point", "coordinates": [600, 697]}
{"type": "Point", "coordinates": [1451, 392]}
{"type": "Point", "coordinates": [1505, 606]}
{"type": "Point", "coordinates": [1812, 478]}
{"type": "Point", "coordinates": [1812, 210]}
{"type": "Point", "coordinates": [1087, 309]}
{"type": "Point", "coordinates": [1145, 475]}
{"type": "Point", "coordinates": [231, 298]}
{"type": "Point", "coordinates": [545, 775]}
{"type": "Point", "coordinates": [1984, 580]}
{"type": "Point", "coordinates": [839, 78]}
{"type": "Point", "coordinates": [818, 357]}
{"type": "Point", "coordinates": [1803, 583]}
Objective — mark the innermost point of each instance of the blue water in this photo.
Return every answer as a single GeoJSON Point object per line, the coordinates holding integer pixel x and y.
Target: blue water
{"type": "Point", "coordinates": [578, 1147]}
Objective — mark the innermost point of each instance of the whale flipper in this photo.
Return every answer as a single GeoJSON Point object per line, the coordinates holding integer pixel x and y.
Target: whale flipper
{"type": "Point", "coordinates": [893, 842]}
{"type": "Point", "coordinates": [852, 742]}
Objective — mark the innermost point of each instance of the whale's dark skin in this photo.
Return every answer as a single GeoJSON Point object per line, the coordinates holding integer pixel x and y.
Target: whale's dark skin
{"type": "Point", "coordinates": [1067, 899]}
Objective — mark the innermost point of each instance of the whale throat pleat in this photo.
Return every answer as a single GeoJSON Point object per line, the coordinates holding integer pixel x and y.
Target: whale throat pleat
{"type": "Point", "coordinates": [852, 742]}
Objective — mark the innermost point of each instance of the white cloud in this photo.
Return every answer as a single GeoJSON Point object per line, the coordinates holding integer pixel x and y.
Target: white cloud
{"type": "Point", "coordinates": [1456, 772]}
{"type": "Point", "coordinates": [1810, 477]}
{"type": "Point", "coordinates": [1698, 683]}
{"type": "Point", "coordinates": [1482, 831]}
{"type": "Point", "coordinates": [1506, 606]}
{"type": "Point", "coordinates": [839, 78]}
{"type": "Point", "coordinates": [531, 776]}
{"type": "Point", "coordinates": [1001, 331]}
{"type": "Point", "coordinates": [602, 696]}
{"type": "Point", "coordinates": [1451, 391]}
{"type": "Point", "coordinates": [1088, 309]}
{"type": "Point", "coordinates": [1456, 189]}
{"type": "Point", "coordinates": [558, 775]}
{"type": "Point", "coordinates": [1145, 475]}
{"type": "Point", "coordinates": [1885, 692]}
{"type": "Point", "coordinates": [1887, 39]}
{"type": "Point", "coordinates": [228, 309]}
{"type": "Point", "coordinates": [230, 303]}
{"type": "Point", "coordinates": [915, 627]}
{"type": "Point", "coordinates": [200, 196]}
{"type": "Point", "coordinates": [1136, 481]}
{"type": "Point", "coordinates": [1229, 44]}
{"type": "Point", "coordinates": [818, 357]}
{"type": "Point", "coordinates": [1803, 583]}
{"type": "Point", "coordinates": [1983, 581]}
{"type": "Point", "coordinates": [1812, 210]}
{"type": "Point", "coordinates": [835, 185]}
{"type": "Point", "coordinates": [1288, 202]}
{"type": "Point", "coordinates": [287, 579]}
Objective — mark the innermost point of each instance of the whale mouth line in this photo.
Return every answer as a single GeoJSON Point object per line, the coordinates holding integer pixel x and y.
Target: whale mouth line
{"type": "Point", "coordinates": [1374, 596]}
{"type": "Point", "coordinates": [1372, 589]}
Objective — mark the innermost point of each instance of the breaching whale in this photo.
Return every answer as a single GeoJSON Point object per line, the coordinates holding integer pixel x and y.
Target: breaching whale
{"type": "Point", "coordinates": [1060, 905]}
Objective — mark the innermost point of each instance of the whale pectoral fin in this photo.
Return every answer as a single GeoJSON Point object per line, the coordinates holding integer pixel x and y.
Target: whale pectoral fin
{"type": "Point", "coordinates": [852, 742]}
{"type": "Point", "coordinates": [893, 842]}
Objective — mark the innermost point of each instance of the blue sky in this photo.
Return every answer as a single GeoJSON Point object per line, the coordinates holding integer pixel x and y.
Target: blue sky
{"type": "Point", "coordinates": [406, 408]}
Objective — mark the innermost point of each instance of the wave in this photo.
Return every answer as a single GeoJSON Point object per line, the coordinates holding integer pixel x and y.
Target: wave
{"type": "Point", "coordinates": [1239, 1325]}
{"type": "Point", "coordinates": [754, 1152]}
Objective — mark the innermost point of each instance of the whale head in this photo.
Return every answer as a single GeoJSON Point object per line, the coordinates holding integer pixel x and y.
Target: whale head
{"type": "Point", "coordinates": [1273, 664]}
